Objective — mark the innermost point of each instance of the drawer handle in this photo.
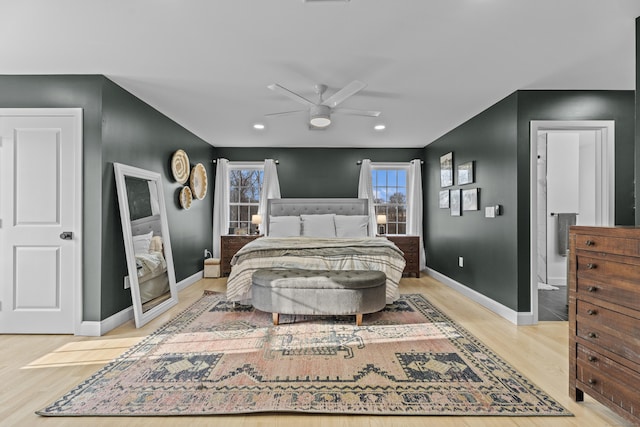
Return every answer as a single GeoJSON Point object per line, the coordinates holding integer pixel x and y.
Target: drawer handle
{"type": "Point", "coordinates": [592, 381]}
{"type": "Point", "coordinates": [589, 243]}
{"type": "Point", "coordinates": [592, 288]}
{"type": "Point", "coordinates": [592, 335]}
{"type": "Point", "coordinates": [592, 359]}
{"type": "Point", "coordinates": [591, 266]}
{"type": "Point", "coordinates": [592, 312]}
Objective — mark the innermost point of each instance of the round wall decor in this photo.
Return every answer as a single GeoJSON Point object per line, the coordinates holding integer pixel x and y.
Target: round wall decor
{"type": "Point", "coordinates": [180, 166]}
{"type": "Point", "coordinates": [198, 181]}
{"type": "Point", "coordinates": [185, 197]}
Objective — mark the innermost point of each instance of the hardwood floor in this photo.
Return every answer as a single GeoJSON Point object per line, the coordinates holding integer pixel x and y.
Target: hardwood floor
{"type": "Point", "coordinates": [35, 370]}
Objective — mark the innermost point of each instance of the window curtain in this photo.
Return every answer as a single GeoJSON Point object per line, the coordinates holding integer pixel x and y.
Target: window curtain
{"type": "Point", "coordinates": [365, 191]}
{"type": "Point", "coordinates": [270, 190]}
{"type": "Point", "coordinates": [220, 204]}
{"type": "Point", "coordinates": [414, 206]}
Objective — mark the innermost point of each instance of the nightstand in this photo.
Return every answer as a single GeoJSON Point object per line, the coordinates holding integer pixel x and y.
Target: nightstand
{"type": "Point", "coordinates": [410, 245]}
{"type": "Point", "coordinates": [229, 245]}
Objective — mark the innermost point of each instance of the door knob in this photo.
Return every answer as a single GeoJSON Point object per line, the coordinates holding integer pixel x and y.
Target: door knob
{"type": "Point", "coordinates": [66, 235]}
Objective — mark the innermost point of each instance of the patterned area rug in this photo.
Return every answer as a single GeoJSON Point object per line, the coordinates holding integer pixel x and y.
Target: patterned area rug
{"type": "Point", "coordinates": [409, 359]}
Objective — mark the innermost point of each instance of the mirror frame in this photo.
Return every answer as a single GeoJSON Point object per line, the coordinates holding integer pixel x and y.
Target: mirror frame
{"type": "Point", "coordinates": [122, 171]}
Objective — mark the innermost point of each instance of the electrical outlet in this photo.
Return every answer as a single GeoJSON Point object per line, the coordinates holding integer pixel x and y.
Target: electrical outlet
{"type": "Point", "coordinates": [127, 284]}
{"type": "Point", "coordinates": [460, 261]}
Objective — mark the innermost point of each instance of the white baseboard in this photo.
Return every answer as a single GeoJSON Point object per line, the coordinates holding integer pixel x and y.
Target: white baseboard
{"type": "Point", "coordinates": [515, 317]}
{"type": "Point", "coordinates": [99, 328]}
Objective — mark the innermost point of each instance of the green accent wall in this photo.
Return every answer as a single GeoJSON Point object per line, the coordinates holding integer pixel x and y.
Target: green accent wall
{"type": "Point", "coordinates": [117, 126]}
{"type": "Point", "coordinates": [496, 251]}
{"type": "Point", "coordinates": [319, 172]}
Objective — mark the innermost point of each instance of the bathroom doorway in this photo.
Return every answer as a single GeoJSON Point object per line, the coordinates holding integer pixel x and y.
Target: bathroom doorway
{"type": "Point", "coordinates": [573, 177]}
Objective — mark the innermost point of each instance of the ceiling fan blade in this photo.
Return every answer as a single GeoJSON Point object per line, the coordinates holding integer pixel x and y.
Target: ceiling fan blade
{"type": "Point", "coordinates": [344, 93]}
{"type": "Point", "coordinates": [286, 92]}
{"type": "Point", "coordinates": [284, 113]}
{"type": "Point", "coordinates": [367, 113]}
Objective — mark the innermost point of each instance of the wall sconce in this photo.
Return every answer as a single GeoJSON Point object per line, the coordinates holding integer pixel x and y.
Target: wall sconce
{"type": "Point", "coordinates": [381, 220]}
{"type": "Point", "coordinates": [256, 220]}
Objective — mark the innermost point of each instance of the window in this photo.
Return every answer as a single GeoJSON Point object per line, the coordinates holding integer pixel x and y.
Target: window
{"type": "Point", "coordinates": [245, 184]}
{"type": "Point", "coordinates": [390, 195]}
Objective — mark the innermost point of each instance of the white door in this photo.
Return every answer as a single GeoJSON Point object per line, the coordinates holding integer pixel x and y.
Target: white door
{"type": "Point", "coordinates": [40, 220]}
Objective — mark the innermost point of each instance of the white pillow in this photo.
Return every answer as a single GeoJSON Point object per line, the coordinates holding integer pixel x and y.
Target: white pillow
{"type": "Point", "coordinates": [142, 242]}
{"type": "Point", "coordinates": [284, 226]}
{"type": "Point", "coordinates": [352, 225]}
{"type": "Point", "coordinates": [318, 225]}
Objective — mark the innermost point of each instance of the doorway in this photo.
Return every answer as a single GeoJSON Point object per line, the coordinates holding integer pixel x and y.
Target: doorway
{"type": "Point", "coordinates": [572, 182]}
{"type": "Point", "coordinates": [40, 220]}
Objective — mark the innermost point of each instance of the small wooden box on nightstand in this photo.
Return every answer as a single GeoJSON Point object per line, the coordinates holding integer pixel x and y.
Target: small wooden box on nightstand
{"type": "Point", "coordinates": [410, 245]}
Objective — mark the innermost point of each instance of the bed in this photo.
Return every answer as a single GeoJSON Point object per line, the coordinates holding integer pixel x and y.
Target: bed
{"type": "Point", "coordinates": [299, 235]}
{"type": "Point", "coordinates": [151, 265]}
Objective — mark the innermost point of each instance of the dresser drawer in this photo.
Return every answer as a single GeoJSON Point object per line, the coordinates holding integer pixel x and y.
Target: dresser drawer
{"type": "Point", "coordinates": [612, 381]}
{"type": "Point", "coordinates": [610, 281]}
{"type": "Point", "coordinates": [612, 245]}
{"type": "Point", "coordinates": [615, 332]}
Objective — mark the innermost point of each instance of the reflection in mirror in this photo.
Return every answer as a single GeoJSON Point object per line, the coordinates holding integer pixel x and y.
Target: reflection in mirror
{"type": "Point", "coordinates": [146, 240]}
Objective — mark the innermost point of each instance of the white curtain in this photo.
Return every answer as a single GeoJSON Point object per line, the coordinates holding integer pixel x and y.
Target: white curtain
{"type": "Point", "coordinates": [220, 205]}
{"type": "Point", "coordinates": [270, 189]}
{"type": "Point", "coordinates": [365, 191]}
{"type": "Point", "coordinates": [414, 206]}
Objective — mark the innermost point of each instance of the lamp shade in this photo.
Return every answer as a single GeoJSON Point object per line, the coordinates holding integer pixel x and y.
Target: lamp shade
{"type": "Point", "coordinates": [256, 219]}
{"type": "Point", "coordinates": [381, 219]}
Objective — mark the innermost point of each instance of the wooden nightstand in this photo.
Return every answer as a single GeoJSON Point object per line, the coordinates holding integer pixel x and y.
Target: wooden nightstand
{"type": "Point", "coordinates": [410, 245]}
{"type": "Point", "coordinates": [229, 245]}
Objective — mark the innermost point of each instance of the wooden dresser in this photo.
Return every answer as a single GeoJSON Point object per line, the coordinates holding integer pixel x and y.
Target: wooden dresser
{"type": "Point", "coordinates": [229, 245]}
{"type": "Point", "coordinates": [604, 317]}
{"type": "Point", "coordinates": [410, 245]}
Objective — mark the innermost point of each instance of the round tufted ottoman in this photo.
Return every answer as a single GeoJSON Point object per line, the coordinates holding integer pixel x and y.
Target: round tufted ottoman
{"type": "Point", "coordinates": [327, 292]}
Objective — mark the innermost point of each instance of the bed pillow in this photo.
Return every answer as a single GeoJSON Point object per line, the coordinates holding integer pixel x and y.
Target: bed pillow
{"type": "Point", "coordinates": [142, 242]}
{"type": "Point", "coordinates": [284, 226]}
{"type": "Point", "coordinates": [352, 225]}
{"type": "Point", "coordinates": [318, 225]}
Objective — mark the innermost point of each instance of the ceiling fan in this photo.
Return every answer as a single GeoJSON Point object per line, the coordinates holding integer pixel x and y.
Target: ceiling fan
{"type": "Point", "coordinates": [320, 112]}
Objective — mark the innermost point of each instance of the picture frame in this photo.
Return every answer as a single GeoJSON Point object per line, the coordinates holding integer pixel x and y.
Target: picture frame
{"type": "Point", "coordinates": [444, 199]}
{"type": "Point", "coordinates": [466, 173]}
{"type": "Point", "coordinates": [446, 170]}
{"type": "Point", "coordinates": [454, 200]}
{"type": "Point", "coordinates": [470, 199]}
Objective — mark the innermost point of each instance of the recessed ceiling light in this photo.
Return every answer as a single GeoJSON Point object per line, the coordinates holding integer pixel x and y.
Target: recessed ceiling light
{"type": "Point", "coordinates": [258, 126]}
{"type": "Point", "coordinates": [379, 127]}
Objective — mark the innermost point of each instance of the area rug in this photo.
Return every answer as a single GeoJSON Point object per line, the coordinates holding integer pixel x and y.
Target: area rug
{"type": "Point", "coordinates": [214, 358]}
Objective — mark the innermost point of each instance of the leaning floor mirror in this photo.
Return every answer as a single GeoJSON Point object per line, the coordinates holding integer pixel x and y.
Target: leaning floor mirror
{"type": "Point", "coordinates": [147, 246]}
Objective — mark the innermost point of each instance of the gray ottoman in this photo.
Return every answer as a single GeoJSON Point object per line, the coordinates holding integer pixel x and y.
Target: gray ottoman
{"type": "Point", "coordinates": [324, 292]}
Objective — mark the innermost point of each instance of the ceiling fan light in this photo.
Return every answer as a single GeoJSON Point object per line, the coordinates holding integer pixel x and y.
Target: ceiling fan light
{"type": "Point", "coordinates": [319, 116]}
{"type": "Point", "coordinates": [320, 121]}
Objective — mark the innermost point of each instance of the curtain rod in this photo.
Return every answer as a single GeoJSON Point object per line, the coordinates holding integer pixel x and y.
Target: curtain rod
{"type": "Point", "coordinates": [359, 162]}
{"type": "Point", "coordinates": [277, 162]}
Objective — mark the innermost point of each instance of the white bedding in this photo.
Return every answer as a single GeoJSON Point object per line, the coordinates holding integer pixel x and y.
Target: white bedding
{"type": "Point", "coordinates": [315, 254]}
{"type": "Point", "coordinates": [152, 278]}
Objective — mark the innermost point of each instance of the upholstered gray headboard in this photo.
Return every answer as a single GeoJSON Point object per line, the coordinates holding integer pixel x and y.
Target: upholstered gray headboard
{"type": "Point", "coordinates": [292, 207]}
{"type": "Point", "coordinates": [147, 224]}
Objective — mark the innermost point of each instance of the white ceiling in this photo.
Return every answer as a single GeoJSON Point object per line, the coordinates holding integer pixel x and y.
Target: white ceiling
{"type": "Point", "coordinates": [429, 64]}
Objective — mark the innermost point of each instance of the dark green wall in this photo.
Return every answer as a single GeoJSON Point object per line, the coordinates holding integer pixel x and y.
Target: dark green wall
{"type": "Point", "coordinates": [118, 127]}
{"type": "Point", "coordinates": [136, 134]}
{"type": "Point", "coordinates": [497, 264]}
{"type": "Point", "coordinates": [319, 172]}
{"type": "Point", "coordinates": [489, 246]}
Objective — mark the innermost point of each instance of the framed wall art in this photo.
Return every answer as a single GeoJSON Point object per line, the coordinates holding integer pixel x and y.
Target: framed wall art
{"type": "Point", "coordinates": [444, 199]}
{"type": "Point", "coordinates": [446, 170]}
{"type": "Point", "coordinates": [470, 199]}
{"type": "Point", "coordinates": [454, 200]}
{"type": "Point", "coordinates": [465, 173]}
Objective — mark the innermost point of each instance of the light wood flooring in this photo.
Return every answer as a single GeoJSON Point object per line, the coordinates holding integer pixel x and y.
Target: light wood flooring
{"type": "Point", "coordinates": [36, 370]}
